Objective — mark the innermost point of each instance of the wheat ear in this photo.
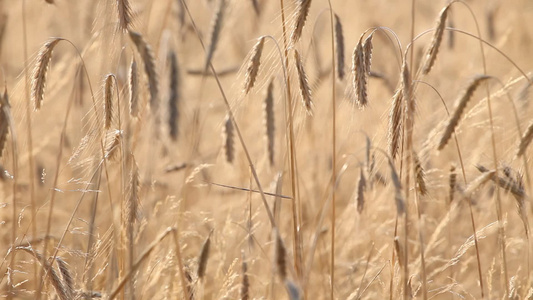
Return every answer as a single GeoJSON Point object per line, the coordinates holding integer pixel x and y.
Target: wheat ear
{"type": "Point", "coordinates": [173, 112]}
{"type": "Point", "coordinates": [124, 14]}
{"type": "Point", "coordinates": [133, 85]}
{"type": "Point", "coordinates": [253, 65]}
{"type": "Point", "coordinates": [305, 90]}
{"type": "Point", "coordinates": [269, 121]}
{"type": "Point", "coordinates": [301, 17]}
{"type": "Point", "coordinates": [108, 101]}
{"type": "Point", "coordinates": [204, 256]}
{"type": "Point", "coordinates": [459, 109]}
{"type": "Point", "coordinates": [38, 81]}
{"type": "Point", "coordinates": [360, 197]}
{"type": "Point", "coordinates": [452, 183]}
{"type": "Point", "coordinates": [216, 26]}
{"type": "Point", "coordinates": [4, 121]}
{"type": "Point", "coordinates": [339, 41]}
{"type": "Point", "coordinates": [433, 50]}
{"type": "Point", "coordinates": [228, 136]}
{"type": "Point", "coordinates": [395, 124]}
{"type": "Point", "coordinates": [420, 176]}
{"type": "Point", "coordinates": [147, 56]}
{"type": "Point", "coordinates": [525, 140]}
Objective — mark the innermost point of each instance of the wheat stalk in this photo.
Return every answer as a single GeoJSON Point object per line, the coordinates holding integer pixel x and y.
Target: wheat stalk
{"type": "Point", "coordinates": [38, 81]}
{"type": "Point", "coordinates": [433, 50]}
{"type": "Point", "coordinates": [145, 51]}
{"type": "Point", "coordinates": [305, 90]}
{"type": "Point", "coordinates": [253, 65]}
{"type": "Point", "coordinates": [460, 107]}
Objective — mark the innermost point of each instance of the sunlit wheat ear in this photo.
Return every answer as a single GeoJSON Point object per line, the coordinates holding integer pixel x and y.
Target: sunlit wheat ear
{"type": "Point", "coordinates": [245, 282]}
{"type": "Point", "coordinates": [339, 41]}
{"type": "Point", "coordinates": [478, 182]}
{"type": "Point", "coordinates": [420, 176]}
{"type": "Point", "coordinates": [216, 26]}
{"type": "Point", "coordinates": [173, 100]}
{"type": "Point", "coordinates": [204, 256]}
{"type": "Point", "coordinates": [145, 51]}
{"type": "Point", "coordinates": [301, 17]}
{"type": "Point", "coordinates": [305, 90]}
{"type": "Point", "coordinates": [112, 144]}
{"type": "Point", "coordinates": [399, 251]}
{"type": "Point", "coordinates": [133, 199]}
{"type": "Point", "coordinates": [361, 186]}
{"type": "Point", "coordinates": [367, 54]}
{"type": "Point", "coordinates": [398, 197]}
{"type": "Point", "coordinates": [133, 85]}
{"type": "Point", "coordinates": [68, 281]}
{"type": "Point", "coordinates": [525, 140]}
{"type": "Point", "coordinates": [4, 121]}
{"type": "Point", "coordinates": [407, 92]}
{"type": "Point", "coordinates": [108, 101]}
{"type": "Point", "coordinates": [228, 136]}
{"type": "Point", "coordinates": [452, 181]}
{"type": "Point", "coordinates": [269, 121]}
{"type": "Point", "coordinates": [281, 257]}
{"type": "Point", "coordinates": [459, 109]}
{"type": "Point", "coordinates": [38, 81]}
{"type": "Point", "coordinates": [253, 65]}
{"type": "Point", "coordinates": [124, 14]}
{"type": "Point", "coordinates": [433, 50]}
{"type": "Point", "coordinates": [52, 275]}
{"type": "Point", "coordinates": [359, 74]}
{"type": "Point", "coordinates": [395, 124]}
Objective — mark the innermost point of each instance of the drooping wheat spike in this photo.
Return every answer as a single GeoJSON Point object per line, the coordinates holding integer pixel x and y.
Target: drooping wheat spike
{"type": "Point", "coordinates": [133, 84]}
{"type": "Point", "coordinates": [245, 283]}
{"type": "Point", "coordinates": [525, 140]}
{"type": "Point", "coordinates": [68, 281]}
{"type": "Point", "coordinates": [361, 186]}
{"type": "Point", "coordinates": [108, 101]}
{"type": "Point", "coordinates": [145, 51]}
{"type": "Point", "coordinates": [124, 14]}
{"type": "Point", "coordinates": [339, 41]}
{"type": "Point", "coordinates": [253, 65]}
{"type": "Point", "coordinates": [460, 107]}
{"type": "Point", "coordinates": [367, 54]}
{"type": "Point", "coordinates": [228, 136]}
{"type": "Point", "coordinates": [420, 176]}
{"type": "Point", "coordinates": [301, 17]}
{"type": "Point", "coordinates": [281, 259]}
{"type": "Point", "coordinates": [305, 90]}
{"type": "Point", "coordinates": [38, 81]}
{"type": "Point", "coordinates": [130, 207]}
{"type": "Point", "coordinates": [52, 275]}
{"type": "Point", "coordinates": [359, 74]}
{"type": "Point", "coordinates": [173, 100]}
{"type": "Point", "coordinates": [433, 50]}
{"type": "Point", "coordinates": [398, 196]}
{"type": "Point", "coordinates": [216, 26]}
{"type": "Point", "coordinates": [395, 124]}
{"type": "Point", "coordinates": [4, 121]}
{"type": "Point", "coordinates": [269, 121]}
{"type": "Point", "coordinates": [112, 143]}
{"type": "Point", "coordinates": [204, 256]}
{"type": "Point", "coordinates": [452, 183]}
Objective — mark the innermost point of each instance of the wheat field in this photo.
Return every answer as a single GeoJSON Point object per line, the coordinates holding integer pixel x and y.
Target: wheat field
{"type": "Point", "coordinates": [263, 149]}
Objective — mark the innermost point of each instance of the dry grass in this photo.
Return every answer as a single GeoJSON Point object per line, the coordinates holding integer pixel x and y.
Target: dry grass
{"type": "Point", "coordinates": [145, 201]}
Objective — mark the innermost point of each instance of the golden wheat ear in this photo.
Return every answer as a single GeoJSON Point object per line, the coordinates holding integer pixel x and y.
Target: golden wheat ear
{"type": "Point", "coordinates": [305, 89]}
{"type": "Point", "coordinates": [253, 65]}
{"type": "Point", "coordinates": [38, 81]}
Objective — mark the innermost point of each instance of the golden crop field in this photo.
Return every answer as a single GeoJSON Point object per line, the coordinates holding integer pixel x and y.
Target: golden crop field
{"type": "Point", "coordinates": [263, 149]}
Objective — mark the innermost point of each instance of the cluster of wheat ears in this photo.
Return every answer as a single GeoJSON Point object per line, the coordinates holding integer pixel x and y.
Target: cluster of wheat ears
{"type": "Point", "coordinates": [330, 181]}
